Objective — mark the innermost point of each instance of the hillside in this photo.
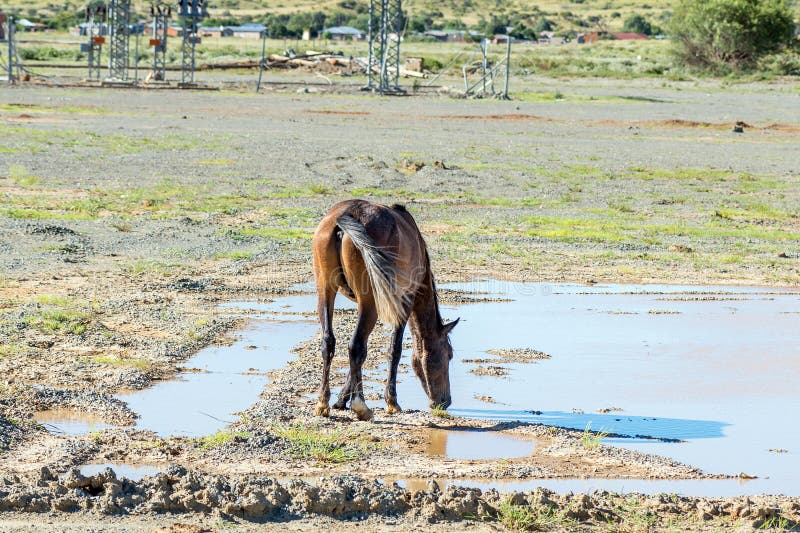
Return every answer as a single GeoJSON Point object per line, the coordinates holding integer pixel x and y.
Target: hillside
{"type": "Point", "coordinates": [563, 15]}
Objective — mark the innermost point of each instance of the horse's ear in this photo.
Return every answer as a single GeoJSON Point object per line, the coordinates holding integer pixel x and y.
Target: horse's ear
{"type": "Point", "coordinates": [447, 328]}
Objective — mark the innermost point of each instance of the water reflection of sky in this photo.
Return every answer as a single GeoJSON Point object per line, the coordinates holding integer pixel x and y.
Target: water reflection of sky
{"type": "Point", "coordinates": [714, 367]}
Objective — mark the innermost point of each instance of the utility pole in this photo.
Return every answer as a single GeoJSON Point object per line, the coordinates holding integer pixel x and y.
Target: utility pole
{"type": "Point", "coordinates": [192, 12]}
{"type": "Point", "coordinates": [161, 14]}
{"type": "Point", "coordinates": [94, 46]}
{"type": "Point", "coordinates": [119, 14]}
{"type": "Point", "coordinates": [385, 30]}
{"type": "Point", "coordinates": [11, 54]}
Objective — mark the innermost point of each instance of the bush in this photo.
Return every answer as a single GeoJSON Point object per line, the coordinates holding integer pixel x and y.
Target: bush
{"type": "Point", "coordinates": [724, 35]}
{"type": "Point", "coordinates": [637, 24]}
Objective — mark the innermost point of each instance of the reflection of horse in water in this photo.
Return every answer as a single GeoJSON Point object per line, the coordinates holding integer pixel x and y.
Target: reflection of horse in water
{"type": "Point", "coordinates": [376, 256]}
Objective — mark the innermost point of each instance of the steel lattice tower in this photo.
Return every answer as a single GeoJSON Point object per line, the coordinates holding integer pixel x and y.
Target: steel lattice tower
{"type": "Point", "coordinates": [119, 14]}
{"type": "Point", "coordinates": [94, 47]}
{"type": "Point", "coordinates": [161, 14]}
{"type": "Point", "coordinates": [385, 29]}
{"type": "Point", "coordinates": [192, 12]}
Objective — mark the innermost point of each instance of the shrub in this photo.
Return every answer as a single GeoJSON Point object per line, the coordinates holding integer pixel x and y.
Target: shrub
{"type": "Point", "coordinates": [637, 24]}
{"type": "Point", "coordinates": [724, 35]}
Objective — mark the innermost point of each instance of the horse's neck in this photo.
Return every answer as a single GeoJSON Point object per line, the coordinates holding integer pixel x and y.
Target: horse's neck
{"type": "Point", "coordinates": [425, 319]}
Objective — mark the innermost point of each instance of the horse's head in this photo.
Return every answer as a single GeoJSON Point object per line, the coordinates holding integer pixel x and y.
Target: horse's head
{"type": "Point", "coordinates": [431, 363]}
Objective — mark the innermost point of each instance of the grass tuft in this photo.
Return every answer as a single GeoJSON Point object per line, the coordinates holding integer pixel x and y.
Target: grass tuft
{"type": "Point", "coordinates": [592, 440]}
{"type": "Point", "coordinates": [327, 447]}
{"type": "Point", "coordinates": [209, 442]}
{"type": "Point", "coordinates": [528, 518]}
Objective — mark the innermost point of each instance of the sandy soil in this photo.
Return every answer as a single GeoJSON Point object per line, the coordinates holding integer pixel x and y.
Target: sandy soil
{"type": "Point", "coordinates": [128, 216]}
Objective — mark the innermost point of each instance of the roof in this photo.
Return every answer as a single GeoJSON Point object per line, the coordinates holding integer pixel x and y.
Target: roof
{"type": "Point", "coordinates": [247, 28]}
{"type": "Point", "coordinates": [343, 30]}
{"type": "Point", "coordinates": [628, 36]}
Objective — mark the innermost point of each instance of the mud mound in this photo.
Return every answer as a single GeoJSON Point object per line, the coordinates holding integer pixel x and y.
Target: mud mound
{"type": "Point", "coordinates": [180, 491]}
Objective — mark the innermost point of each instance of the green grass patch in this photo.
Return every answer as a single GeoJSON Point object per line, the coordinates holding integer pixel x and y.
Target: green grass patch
{"type": "Point", "coordinates": [220, 438]}
{"type": "Point", "coordinates": [21, 177]}
{"type": "Point", "coordinates": [591, 440]}
{"type": "Point", "coordinates": [150, 266]}
{"type": "Point", "coordinates": [233, 254]}
{"type": "Point", "coordinates": [140, 364]}
{"type": "Point", "coordinates": [61, 316]}
{"type": "Point", "coordinates": [323, 446]}
{"type": "Point", "coordinates": [530, 518]}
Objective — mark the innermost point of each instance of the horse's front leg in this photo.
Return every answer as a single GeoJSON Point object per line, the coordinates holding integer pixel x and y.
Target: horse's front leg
{"type": "Point", "coordinates": [325, 311]}
{"type": "Point", "coordinates": [395, 350]}
{"type": "Point", "coordinates": [358, 354]}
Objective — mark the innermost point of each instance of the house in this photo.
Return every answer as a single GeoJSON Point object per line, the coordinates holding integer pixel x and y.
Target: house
{"type": "Point", "coordinates": [245, 31]}
{"type": "Point", "coordinates": [438, 35]}
{"type": "Point", "coordinates": [27, 25]}
{"type": "Point", "coordinates": [210, 31]}
{"type": "Point", "coordinates": [343, 33]}
{"type": "Point", "coordinates": [630, 36]}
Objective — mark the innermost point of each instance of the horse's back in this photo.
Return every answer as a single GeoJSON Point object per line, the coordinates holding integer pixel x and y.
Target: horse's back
{"type": "Point", "coordinates": [392, 229]}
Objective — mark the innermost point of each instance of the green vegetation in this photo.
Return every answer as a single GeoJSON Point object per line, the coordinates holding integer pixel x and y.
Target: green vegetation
{"type": "Point", "coordinates": [220, 438]}
{"type": "Point", "coordinates": [531, 518]}
{"type": "Point", "coordinates": [61, 316]}
{"type": "Point", "coordinates": [323, 446]}
{"type": "Point", "coordinates": [724, 35]}
{"type": "Point", "coordinates": [440, 411]}
{"type": "Point", "coordinates": [592, 440]}
{"type": "Point", "coordinates": [139, 364]}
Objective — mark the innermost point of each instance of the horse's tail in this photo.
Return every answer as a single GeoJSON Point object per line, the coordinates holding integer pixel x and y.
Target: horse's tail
{"type": "Point", "coordinates": [381, 269]}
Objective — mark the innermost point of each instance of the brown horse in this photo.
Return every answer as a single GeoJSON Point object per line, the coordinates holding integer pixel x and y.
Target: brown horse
{"type": "Point", "coordinates": [376, 256]}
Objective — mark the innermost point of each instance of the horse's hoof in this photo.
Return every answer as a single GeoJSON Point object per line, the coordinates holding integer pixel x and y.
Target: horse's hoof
{"type": "Point", "coordinates": [340, 405]}
{"type": "Point", "coordinates": [322, 410]}
{"type": "Point", "coordinates": [363, 412]}
{"type": "Point", "coordinates": [393, 409]}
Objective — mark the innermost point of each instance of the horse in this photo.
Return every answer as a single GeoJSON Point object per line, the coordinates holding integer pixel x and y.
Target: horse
{"type": "Point", "coordinates": [376, 256]}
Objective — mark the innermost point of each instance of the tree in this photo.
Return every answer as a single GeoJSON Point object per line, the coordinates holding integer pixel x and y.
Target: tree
{"type": "Point", "coordinates": [720, 35]}
{"type": "Point", "coordinates": [637, 24]}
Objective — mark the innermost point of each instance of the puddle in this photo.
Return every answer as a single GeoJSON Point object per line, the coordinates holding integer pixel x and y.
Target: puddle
{"type": "Point", "coordinates": [198, 404]}
{"type": "Point", "coordinates": [712, 367]}
{"type": "Point", "coordinates": [70, 421]}
{"type": "Point", "coordinates": [134, 472]}
{"type": "Point", "coordinates": [715, 368]}
{"type": "Point", "coordinates": [470, 444]}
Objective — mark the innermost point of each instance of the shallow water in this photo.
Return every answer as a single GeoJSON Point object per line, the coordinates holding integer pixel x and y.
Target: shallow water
{"type": "Point", "coordinates": [712, 367]}
{"type": "Point", "coordinates": [70, 422]}
{"type": "Point", "coordinates": [452, 444]}
{"type": "Point", "coordinates": [229, 381]}
{"type": "Point", "coordinates": [132, 471]}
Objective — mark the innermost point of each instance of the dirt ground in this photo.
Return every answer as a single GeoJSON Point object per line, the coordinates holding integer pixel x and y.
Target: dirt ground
{"type": "Point", "coordinates": [128, 216]}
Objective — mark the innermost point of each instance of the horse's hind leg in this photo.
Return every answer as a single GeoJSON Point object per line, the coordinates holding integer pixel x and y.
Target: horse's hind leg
{"type": "Point", "coordinates": [325, 300]}
{"type": "Point", "coordinates": [395, 350]}
{"type": "Point", "coordinates": [367, 317]}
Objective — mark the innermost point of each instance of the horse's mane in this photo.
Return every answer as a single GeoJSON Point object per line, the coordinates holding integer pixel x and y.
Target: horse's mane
{"type": "Point", "coordinates": [433, 282]}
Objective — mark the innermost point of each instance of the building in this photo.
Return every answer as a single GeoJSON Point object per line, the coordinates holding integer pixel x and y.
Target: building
{"type": "Point", "coordinates": [245, 31]}
{"type": "Point", "coordinates": [630, 36]}
{"type": "Point", "coordinates": [27, 25]}
{"type": "Point", "coordinates": [343, 33]}
{"type": "Point", "coordinates": [210, 31]}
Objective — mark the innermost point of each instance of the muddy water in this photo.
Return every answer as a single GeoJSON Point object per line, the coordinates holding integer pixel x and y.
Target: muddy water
{"type": "Point", "coordinates": [452, 444]}
{"type": "Point", "coordinates": [715, 368]}
{"type": "Point", "coordinates": [134, 472]}
{"type": "Point", "coordinates": [70, 422]}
